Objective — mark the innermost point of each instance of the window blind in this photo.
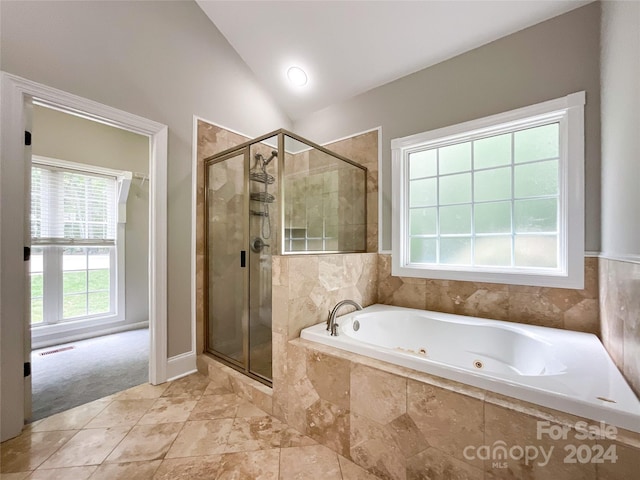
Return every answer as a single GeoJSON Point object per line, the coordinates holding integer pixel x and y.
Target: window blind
{"type": "Point", "coordinates": [70, 207]}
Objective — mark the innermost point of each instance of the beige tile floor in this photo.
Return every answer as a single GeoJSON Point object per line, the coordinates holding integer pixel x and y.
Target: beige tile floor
{"type": "Point", "coordinates": [187, 429]}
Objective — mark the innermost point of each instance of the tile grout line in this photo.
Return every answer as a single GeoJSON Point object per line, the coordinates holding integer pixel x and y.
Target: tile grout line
{"type": "Point", "coordinates": [340, 466]}
{"type": "Point", "coordinates": [279, 463]}
{"type": "Point", "coordinates": [155, 400]}
{"type": "Point", "coordinates": [199, 397]}
{"type": "Point", "coordinates": [130, 428]}
{"type": "Point", "coordinates": [91, 419]}
{"type": "Point", "coordinates": [153, 475]}
{"type": "Point", "coordinates": [485, 474]}
{"type": "Point", "coordinates": [164, 457]}
{"type": "Point", "coordinates": [115, 446]}
{"type": "Point", "coordinates": [56, 450]}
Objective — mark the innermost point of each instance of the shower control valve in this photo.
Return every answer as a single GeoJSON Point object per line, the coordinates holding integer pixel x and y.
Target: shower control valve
{"type": "Point", "coordinates": [258, 245]}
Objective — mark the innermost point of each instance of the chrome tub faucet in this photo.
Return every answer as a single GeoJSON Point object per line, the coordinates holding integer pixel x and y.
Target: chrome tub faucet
{"type": "Point", "coordinates": [332, 326]}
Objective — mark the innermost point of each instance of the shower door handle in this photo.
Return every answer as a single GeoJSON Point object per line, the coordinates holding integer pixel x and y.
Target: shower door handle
{"type": "Point", "coordinates": [243, 258]}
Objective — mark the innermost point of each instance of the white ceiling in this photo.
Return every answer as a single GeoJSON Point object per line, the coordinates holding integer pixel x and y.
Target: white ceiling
{"type": "Point", "coordinates": [349, 47]}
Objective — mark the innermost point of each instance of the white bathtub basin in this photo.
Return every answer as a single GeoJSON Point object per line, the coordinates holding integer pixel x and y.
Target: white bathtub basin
{"type": "Point", "coordinates": [560, 369]}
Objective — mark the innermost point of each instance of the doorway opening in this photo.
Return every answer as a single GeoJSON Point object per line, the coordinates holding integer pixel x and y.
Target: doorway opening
{"type": "Point", "coordinates": [88, 275]}
{"type": "Point", "coordinates": [16, 95]}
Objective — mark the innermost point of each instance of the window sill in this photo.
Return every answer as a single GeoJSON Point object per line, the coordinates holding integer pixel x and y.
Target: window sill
{"type": "Point", "coordinates": [56, 334]}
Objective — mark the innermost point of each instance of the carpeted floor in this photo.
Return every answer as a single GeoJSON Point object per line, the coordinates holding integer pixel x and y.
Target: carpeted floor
{"type": "Point", "coordinates": [93, 369]}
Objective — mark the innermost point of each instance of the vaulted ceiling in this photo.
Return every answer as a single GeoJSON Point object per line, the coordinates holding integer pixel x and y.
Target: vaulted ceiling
{"type": "Point", "coordinates": [349, 47]}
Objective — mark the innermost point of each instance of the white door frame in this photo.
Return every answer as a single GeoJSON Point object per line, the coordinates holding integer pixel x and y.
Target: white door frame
{"type": "Point", "coordinates": [14, 92]}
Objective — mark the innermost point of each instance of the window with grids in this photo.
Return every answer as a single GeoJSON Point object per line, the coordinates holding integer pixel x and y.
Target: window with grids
{"type": "Point", "coordinates": [499, 199]}
{"type": "Point", "coordinates": [73, 263]}
{"type": "Point", "coordinates": [490, 201]}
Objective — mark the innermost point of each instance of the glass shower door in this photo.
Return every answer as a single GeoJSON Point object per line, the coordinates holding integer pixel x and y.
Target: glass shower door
{"type": "Point", "coordinates": [228, 276]}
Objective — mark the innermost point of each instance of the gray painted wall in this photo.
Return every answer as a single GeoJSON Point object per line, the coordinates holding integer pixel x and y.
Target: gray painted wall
{"type": "Point", "coordinates": [162, 60]}
{"type": "Point", "coordinates": [66, 137]}
{"type": "Point", "coordinates": [546, 61]}
{"type": "Point", "coordinates": [620, 57]}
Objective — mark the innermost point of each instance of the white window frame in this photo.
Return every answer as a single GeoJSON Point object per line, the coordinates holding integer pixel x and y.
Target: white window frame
{"type": "Point", "coordinates": [569, 112]}
{"type": "Point", "coordinates": [53, 276]}
{"type": "Point", "coordinates": [58, 326]}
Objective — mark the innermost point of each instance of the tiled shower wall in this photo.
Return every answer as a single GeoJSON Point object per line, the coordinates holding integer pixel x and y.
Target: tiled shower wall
{"type": "Point", "coordinates": [325, 201]}
{"type": "Point", "coordinates": [363, 149]}
{"type": "Point", "coordinates": [620, 316]}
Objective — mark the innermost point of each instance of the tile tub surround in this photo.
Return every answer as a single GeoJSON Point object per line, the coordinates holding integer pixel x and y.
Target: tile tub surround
{"type": "Point", "coordinates": [305, 288]}
{"type": "Point", "coordinates": [189, 428]}
{"type": "Point", "coordinates": [619, 318]}
{"type": "Point", "coordinates": [554, 368]}
{"type": "Point", "coordinates": [398, 423]}
{"type": "Point", "coordinates": [548, 307]}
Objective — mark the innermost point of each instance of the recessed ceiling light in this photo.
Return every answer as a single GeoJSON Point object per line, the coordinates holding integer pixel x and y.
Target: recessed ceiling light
{"type": "Point", "coordinates": [297, 76]}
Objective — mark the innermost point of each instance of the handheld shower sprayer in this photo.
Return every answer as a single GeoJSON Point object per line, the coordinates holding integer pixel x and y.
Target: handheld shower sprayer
{"type": "Point", "coordinates": [274, 154]}
{"type": "Point", "coordinates": [263, 163]}
{"type": "Point", "coordinates": [264, 197]}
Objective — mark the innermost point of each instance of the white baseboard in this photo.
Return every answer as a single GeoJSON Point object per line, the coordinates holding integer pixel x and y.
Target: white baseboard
{"type": "Point", "coordinates": [68, 337]}
{"type": "Point", "coordinates": [181, 365]}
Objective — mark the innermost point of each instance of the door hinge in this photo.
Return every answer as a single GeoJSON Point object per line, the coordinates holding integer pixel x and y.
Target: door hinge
{"type": "Point", "coordinates": [27, 369]}
{"type": "Point", "coordinates": [27, 253]}
{"type": "Point", "coordinates": [27, 138]}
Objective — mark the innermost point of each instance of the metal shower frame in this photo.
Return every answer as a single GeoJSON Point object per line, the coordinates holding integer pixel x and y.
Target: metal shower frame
{"type": "Point", "coordinates": [245, 149]}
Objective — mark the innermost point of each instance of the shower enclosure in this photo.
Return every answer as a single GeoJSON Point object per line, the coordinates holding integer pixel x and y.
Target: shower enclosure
{"type": "Point", "coordinates": [278, 194]}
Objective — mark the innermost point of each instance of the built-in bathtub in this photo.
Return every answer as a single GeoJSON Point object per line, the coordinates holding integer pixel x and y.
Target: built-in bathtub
{"type": "Point", "coordinates": [560, 369]}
